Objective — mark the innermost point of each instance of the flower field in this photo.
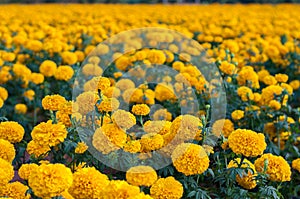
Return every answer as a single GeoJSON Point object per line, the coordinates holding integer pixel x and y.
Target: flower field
{"type": "Point", "coordinates": [176, 101]}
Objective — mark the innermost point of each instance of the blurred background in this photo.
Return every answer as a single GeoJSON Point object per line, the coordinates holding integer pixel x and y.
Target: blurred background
{"type": "Point", "coordinates": [149, 1]}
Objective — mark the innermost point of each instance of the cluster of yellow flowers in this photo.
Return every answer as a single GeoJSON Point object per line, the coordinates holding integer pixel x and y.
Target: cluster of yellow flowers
{"type": "Point", "coordinates": [147, 98]}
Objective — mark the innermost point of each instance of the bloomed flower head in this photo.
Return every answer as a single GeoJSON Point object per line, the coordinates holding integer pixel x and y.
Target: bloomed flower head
{"type": "Point", "coordinates": [7, 150]}
{"type": "Point", "coordinates": [123, 119]}
{"type": "Point", "coordinates": [141, 176]}
{"type": "Point", "coordinates": [52, 102]}
{"type": "Point", "coordinates": [11, 131]}
{"type": "Point", "coordinates": [166, 187]}
{"type": "Point", "coordinates": [140, 109]}
{"type": "Point", "coordinates": [6, 172]}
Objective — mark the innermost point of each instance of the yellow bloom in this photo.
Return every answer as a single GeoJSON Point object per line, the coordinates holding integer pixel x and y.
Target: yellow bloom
{"type": "Point", "coordinates": [108, 105]}
{"type": "Point", "coordinates": [48, 68]}
{"type": "Point", "coordinates": [161, 127]}
{"type": "Point", "coordinates": [190, 159]}
{"type": "Point", "coordinates": [166, 187]}
{"type": "Point", "coordinates": [1, 103]}
{"type": "Point", "coordinates": [52, 102]}
{"type": "Point", "coordinates": [69, 58]}
{"type": "Point", "coordinates": [278, 168]}
{"type": "Point", "coordinates": [247, 142]}
{"type": "Point", "coordinates": [37, 78]}
{"type": "Point", "coordinates": [3, 93]}
{"type": "Point", "coordinates": [295, 84]}
{"type": "Point", "coordinates": [88, 183]}
{"type": "Point", "coordinates": [162, 114]}
{"type": "Point", "coordinates": [63, 118]}
{"type": "Point", "coordinates": [26, 169]}
{"type": "Point", "coordinates": [86, 102]}
{"type": "Point", "coordinates": [224, 126]}
{"type": "Point", "coordinates": [124, 84]}
{"type": "Point", "coordinates": [151, 142]}
{"type": "Point", "coordinates": [11, 131]}
{"type": "Point", "coordinates": [49, 134]}
{"type": "Point", "coordinates": [64, 73]}
{"type": "Point", "coordinates": [281, 77]}
{"type": "Point", "coordinates": [245, 93]}
{"type": "Point", "coordinates": [268, 93]}
{"type": "Point", "coordinates": [275, 104]}
{"type": "Point", "coordinates": [21, 108]}
{"type": "Point", "coordinates": [227, 68]}
{"type": "Point", "coordinates": [6, 172]}
{"type": "Point", "coordinates": [15, 190]}
{"type": "Point", "coordinates": [7, 151]}
{"type": "Point", "coordinates": [34, 148]}
{"type": "Point", "coordinates": [270, 80]}
{"type": "Point", "coordinates": [247, 180]}
{"type": "Point", "coordinates": [296, 164]}
{"type": "Point", "coordinates": [125, 120]}
{"type": "Point", "coordinates": [29, 94]}
{"type": "Point", "coordinates": [237, 114]}
{"type": "Point", "coordinates": [156, 56]}
{"type": "Point", "coordinates": [50, 180]}
{"type": "Point", "coordinates": [119, 189]}
{"type": "Point", "coordinates": [132, 146]}
{"type": "Point", "coordinates": [140, 109]}
{"type": "Point", "coordinates": [141, 176]}
{"type": "Point", "coordinates": [81, 148]}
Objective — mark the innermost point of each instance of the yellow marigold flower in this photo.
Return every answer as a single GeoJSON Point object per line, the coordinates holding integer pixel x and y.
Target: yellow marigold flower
{"type": "Point", "coordinates": [268, 93]}
{"type": "Point", "coordinates": [256, 97]}
{"type": "Point", "coordinates": [225, 145]}
{"type": "Point", "coordinates": [161, 127]}
{"type": "Point", "coordinates": [7, 150]}
{"type": "Point", "coordinates": [108, 105]}
{"type": "Point", "coordinates": [124, 84]}
{"type": "Point", "coordinates": [112, 92]}
{"type": "Point", "coordinates": [227, 68]}
{"type": "Point", "coordinates": [64, 73]}
{"type": "Point", "coordinates": [81, 148]}
{"type": "Point", "coordinates": [37, 78]}
{"type": "Point", "coordinates": [141, 176]}
{"type": "Point", "coordinates": [178, 65]}
{"type": "Point", "coordinates": [119, 189]}
{"type": "Point", "coordinates": [49, 134]}
{"type": "Point", "coordinates": [124, 119]}
{"type": "Point", "coordinates": [287, 87]}
{"type": "Point", "coordinates": [151, 142]}
{"type": "Point", "coordinates": [52, 102]}
{"type": "Point", "coordinates": [29, 94]}
{"type": "Point", "coordinates": [190, 159]}
{"type": "Point", "coordinates": [1, 103]}
{"type": "Point", "coordinates": [48, 68]}
{"type": "Point", "coordinates": [270, 80]}
{"type": "Point", "coordinates": [50, 180]}
{"type": "Point", "coordinates": [166, 187]}
{"type": "Point", "coordinates": [247, 180]}
{"type": "Point", "coordinates": [102, 142]}
{"type": "Point", "coordinates": [141, 195]}
{"type": "Point", "coordinates": [103, 83]}
{"type": "Point", "coordinates": [132, 146]}
{"type": "Point", "coordinates": [63, 118]}
{"type": "Point", "coordinates": [162, 114]}
{"type": "Point", "coordinates": [247, 76]}
{"type": "Point", "coordinates": [11, 131]}
{"type": "Point", "coordinates": [295, 84]}
{"type": "Point", "coordinates": [5, 74]}
{"type": "Point", "coordinates": [140, 109]}
{"type": "Point", "coordinates": [164, 92]}
{"type": "Point", "coordinates": [69, 58]}
{"type": "Point", "coordinates": [8, 56]}
{"type": "Point", "coordinates": [185, 127]}
{"type": "Point", "coordinates": [86, 102]}
{"type": "Point", "coordinates": [262, 74]}
{"type": "Point", "coordinates": [296, 164]}
{"type": "Point", "coordinates": [237, 114]}
{"type": "Point", "coordinates": [224, 126]}
{"type": "Point", "coordinates": [80, 55]}
{"type": "Point", "coordinates": [275, 104]}
{"type": "Point", "coordinates": [88, 183]}
{"type": "Point", "coordinates": [245, 93]}
{"type": "Point", "coordinates": [21, 108]}
{"type": "Point", "coordinates": [26, 169]}
{"type": "Point", "coordinates": [68, 107]}
{"type": "Point", "coordinates": [156, 56]}
{"type": "Point", "coordinates": [34, 148]}
{"type": "Point", "coordinates": [6, 172]}
{"type": "Point", "coordinates": [15, 190]}
{"type": "Point", "coordinates": [92, 70]}
{"type": "Point", "coordinates": [34, 45]}
{"type": "Point", "coordinates": [281, 77]}
{"type": "Point", "coordinates": [3, 93]}
{"type": "Point", "coordinates": [247, 142]}
{"type": "Point", "coordinates": [278, 168]}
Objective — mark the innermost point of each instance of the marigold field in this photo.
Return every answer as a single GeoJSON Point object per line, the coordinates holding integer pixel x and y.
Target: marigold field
{"type": "Point", "coordinates": [70, 127]}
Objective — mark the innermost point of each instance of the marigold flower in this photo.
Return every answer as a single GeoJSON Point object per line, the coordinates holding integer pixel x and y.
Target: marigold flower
{"type": "Point", "coordinates": [237, 114]}
{"type": "Point", "coordinates": [29, 94]}
{"type": "Point", "coordinates": [270, 80]}
{"type": "Point", "coordinates": [119, 189]}
{"type": "Point", "coordinates": [190, 159]}
{"type": "Point", "coordinates": [81, 148]}
{"type": "Point", "coordinates": [161, 127]}
{"type": "Point", "coordinates": [52, 102]}
{"type": "Point", "coordinates": [92, 70]}
{"type": "Point", "coordinates": [156, 56]}
{"type": "Point", "coordinates": [295, 84]}
{"type": "Point", "coordinates": [248, 77]}
{"type": "Point", "coordinates": [166, 187]}
{"type": "Point", "coordinates": [7, 151]}
{"type": "Point", "coordinates": [125, 120]}
{"type": "Point", "coordinates": [6, 172]}
{"type": "Point", "coordinates": [296, 164]}
{"type": "Point", "coordinates": [86, 102]}
{"type": "Point", "coordinates": [37, 78]}
{"type": "Point", "coordinates": [281, 77]}
{"type": "Point", "coordinates": [26, 169]}
{"type": "Point", "coordinates": [278, 168]}
{"type": "Point", "coordinates": [63, 118]}
{"type": "Point", "coordinates": [64, 73]}
{"type": "Point", "coordinates": [88, 183]}
{"type": "Point", "coordinates": [132, 146]}
{"type": "Point", "coordinates": [21, 108]}
{"type": "Point", "coordinates": [268, 93]}
{"type": "Point", "coordinates": [247, 142]}
{"type": "Point", "coordinates": [34, 148]}
{"type": "Point", "coordinates": [275, 104]}
{"type": "Point", "coordinates": [11, 131]}
{"type": "Point", "coordinates": [49, 134]}
{"type": "Point", "coordinates": [124, 84]}
{"type": "Point", "coordinates": [140, 109]}
{"type": "Point", "coordinates": [50, 180]}
{"type": "Point", "coordinates": [245, 93]}
{"type": "Point", "coordinates": [227, 68]}
{"type": "Point", "coordinates": [164, 92]}
{"type": "Point", "coordinates": [15, 190]}
{"type": "Point", "coordinates": [108, 105]}
{"type": "Point", "coordinates": [48, 68]}
{"type": "Point", "coordinates": [247, 180]}
{"type": "Point", "coordinates": [1, 103]}
{"type": "Point", "coordinates": [224, 126]}
{"type": "Point", "coordinates": [3, 93]}
{"type": "Point", "coordinates": [151, 142]}
{"type": "Point", "coordinates": [162, 114]}
{"type": "Point", "coordinates": [69, 58]}
{"type": "Point", "coordinates": [141, 195]}
{"type": "Point", "coordinates": [141, 176]}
